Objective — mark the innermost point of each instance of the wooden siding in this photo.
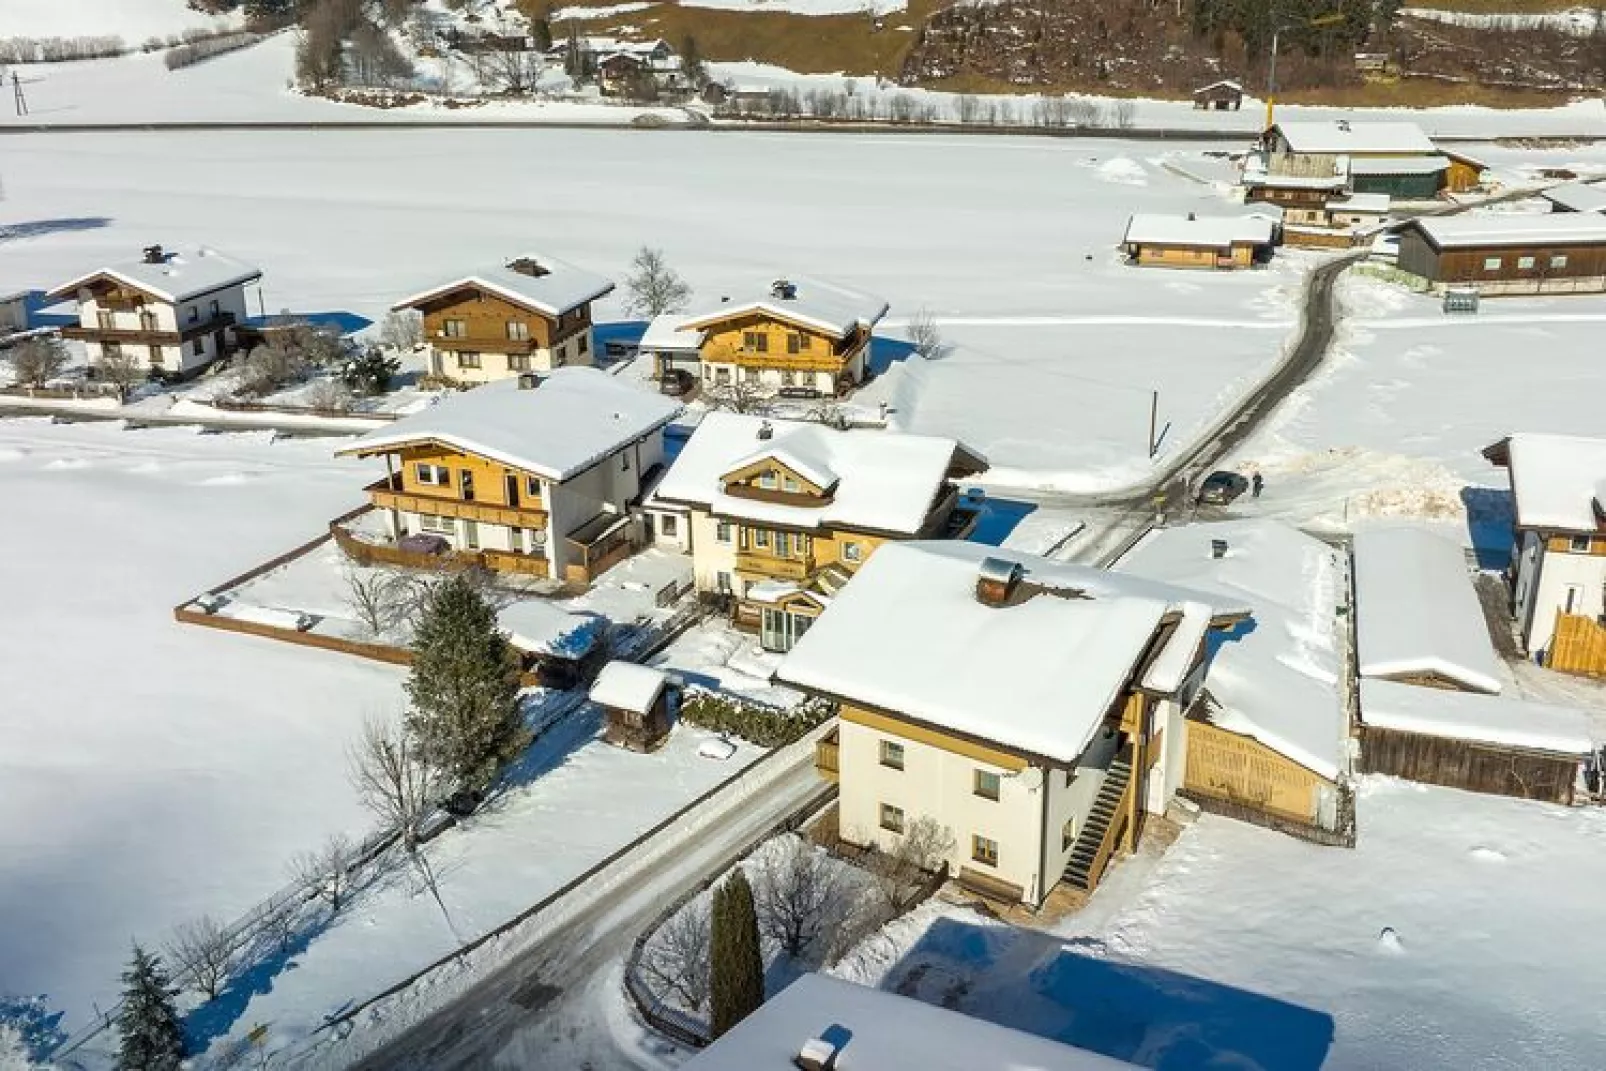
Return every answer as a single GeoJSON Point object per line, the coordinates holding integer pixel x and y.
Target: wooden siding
{"type": "Point", "coordinates": [1560, 544]}
{"type": "Point", "coordinates": [501, 561]}
{"type": "Point", "coordinates": [1461, 176]}
{"type": "Point", "coordinates": [828, 757]}
{"type": "Point", "coordinates": [1487, 768]}
{"type": "Point", "coordinates": [489, 513]}
{"type": "Point", "coordinates": [485, 318]}
{"type": "Point", "coordinates": [1246, 772]}
{"type": "Point", "coordinates": [820, 352]}
{"type": "Point", "coordinates": [1155, 255]}
{"type": "Point", "coordinates": [1578, 645]}
{"type": "Point", "coordinates": [932, 737]}
{"type": "Point", "coordinates": [1466, 265]}
{"type": "Point", "coordinates": [748, 475]}
{"type": "Point", "coordinates": [488, 477]}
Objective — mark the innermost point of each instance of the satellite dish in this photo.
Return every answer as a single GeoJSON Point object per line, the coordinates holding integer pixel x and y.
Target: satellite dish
{"type": "Point", "coordinates": [1031, 778]}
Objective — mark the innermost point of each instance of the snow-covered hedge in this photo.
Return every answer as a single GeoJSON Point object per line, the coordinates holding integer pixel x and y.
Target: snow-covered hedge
{"type": "Point", "coordinates": [58, 49]}
{"type": "Point", "coordinates": [196, 51]}
{"type": "Point", "coordinates": [757, 723]}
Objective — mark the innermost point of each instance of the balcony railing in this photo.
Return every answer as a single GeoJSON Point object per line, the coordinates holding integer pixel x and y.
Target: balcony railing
{"type": "Point", "coordinates": [150, 336]}
{"type": "Point", "coordinates": [828, 757]}
{"type": "Point", "coordinates": [386, 494]}
{"type": "Point", "coordinates": [765, 565]}
{"type": "Point", "coordinates": [786, 362]}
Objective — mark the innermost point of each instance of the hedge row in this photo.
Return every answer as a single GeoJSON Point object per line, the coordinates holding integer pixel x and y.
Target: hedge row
{"type": "Point", "coordinates": [757, 723]}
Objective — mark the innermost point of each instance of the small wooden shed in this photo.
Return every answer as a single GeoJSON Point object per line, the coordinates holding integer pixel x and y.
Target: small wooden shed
{"type": "Point", "coordinates": [557, 648]}
{"type": "Point", "coordinates": [1480, 743]}
{"type": "Point", "coordinates": [639, 702]}
{"type": "Point", "coordinates": [1225, 95]}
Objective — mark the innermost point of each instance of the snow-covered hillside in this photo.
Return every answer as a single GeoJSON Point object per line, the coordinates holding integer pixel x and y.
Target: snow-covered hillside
{"type": "Point", "coordinates": [132, 20]}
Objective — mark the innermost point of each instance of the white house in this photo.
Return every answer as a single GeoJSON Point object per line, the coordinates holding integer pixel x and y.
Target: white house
{"type": "Point", "coordinates": [13, 312]}
{"type": "Point", "coordinates": [173, 311]}
{"type": "Point", "coordinates": [536, 475]}
{"type": "Point", "coordinates": [1028, 707]}
{"type": "Point", "coordinates": [779, 513]}
{"type": "Point", "coordinates": [1558, 552]}
{"type": "Point", "coordinates": [820, 1023]}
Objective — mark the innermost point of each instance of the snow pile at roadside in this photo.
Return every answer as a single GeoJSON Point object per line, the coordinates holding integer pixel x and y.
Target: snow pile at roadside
{"type": "Point", "coordinates": [804, 7]}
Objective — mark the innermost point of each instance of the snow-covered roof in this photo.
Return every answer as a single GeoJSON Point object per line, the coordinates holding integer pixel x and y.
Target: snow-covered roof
{"type": "Point", "coordinates": [628, 686]}
{"type": "Point", "coordinates": [1509, 228]}
{"type": "Point", "coordinates": [1342, 136]}
{"type": "Point", "coordinates": [1294, 182]}
{"type": "Point", "coordinates": [179, 276]}
{"type": "Point", "coordinates": [883, 481]}
{"type": "Point", "coordinates": [874, 1030]}
{"type": "Point", "coordinates": [814, 303]}
{"type": "Point", "coordinates": [1225, 83]}
{"type": "Point", "coordinates": [1555, 479]}
{"type": "Point", "coordinates": [576, 417]}
{"type": "Point", "coordinates": [540, 627]}
{"type": "Point", "coordinates": [1577, 196]}
{"type": "Point", "coordinates": [1274, 679]}
{"type": "Point", "coordinates": [669, 333]}
{"type": "Point", "coordinates": [1214, 232]}
{"type": "Point", "coordinates": [1037, 675]}
{"type": "Point", "coordinates": [1416, 612]}
{"type": "Point", "coordinates": [560, 288]}
{"type": "Point", "coordinates": [1397, 165]}
{"type": "Point", "coordinates": [1361, 202]}
{"type": "Point", "coordinates": [1486, 719]}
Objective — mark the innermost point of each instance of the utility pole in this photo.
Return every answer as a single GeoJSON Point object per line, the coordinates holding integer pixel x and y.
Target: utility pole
{"type": "Point", "coordinates": [1271, 78]}
{"type": "Point", "coordinates": [1154, 420]}
{"type": "Point", "coordinates": [16, 88]}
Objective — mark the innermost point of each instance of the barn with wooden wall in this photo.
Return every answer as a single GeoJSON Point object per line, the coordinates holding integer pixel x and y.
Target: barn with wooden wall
{"type": "Point", "coordinates": [1508, 254]}
{"type": "Point", "coordinates": [1480, 743]}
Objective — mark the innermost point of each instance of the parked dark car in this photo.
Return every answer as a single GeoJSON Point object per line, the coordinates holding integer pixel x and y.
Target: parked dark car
{"type": "Point", "coordinates": [1220, 488]}
{"type": "Point", "coordinates": [677, 382]}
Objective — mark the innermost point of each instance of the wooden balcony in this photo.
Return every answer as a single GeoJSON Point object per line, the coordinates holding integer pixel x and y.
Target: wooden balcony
{"type": "Point", "coordinates": [818, 361]}
{"type": "Point", "coordinates": [386, 494]}
{"type": "Point", "coordinates": [751, 563]}
{"type": "Point", "coordinates": [492, 344]}
{"type": "Point", "coordinates": [140, 337]}
{"type": "Point", "coordinates": [598, 545]}
{"type": "Point", "coordinates": [827, 758]}
{"type": "Point", "coordinates": [364, 552]}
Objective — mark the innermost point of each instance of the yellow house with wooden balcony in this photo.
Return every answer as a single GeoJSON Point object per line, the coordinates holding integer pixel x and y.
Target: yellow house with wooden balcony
{"type": "Point", "coordinates": [1027, 707]}
{"type": "Point", "coordinates": [531, 315]}
{"type": "Point", "coordinates": [536, 476]}
{"type": "Point", "coordinates": [805, 337]}
{"type": "Point", "coordinates": [778, 514]}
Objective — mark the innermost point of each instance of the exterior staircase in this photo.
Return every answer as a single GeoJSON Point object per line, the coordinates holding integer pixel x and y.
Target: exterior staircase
{"type": "Point", "coordinates": [830, 580]}
{"type": "Point", "coordinates": [1086, 865]}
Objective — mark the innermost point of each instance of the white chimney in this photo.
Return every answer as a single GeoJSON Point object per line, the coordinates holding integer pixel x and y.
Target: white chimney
{"type": "Point", "coordinates": [817, 1054]}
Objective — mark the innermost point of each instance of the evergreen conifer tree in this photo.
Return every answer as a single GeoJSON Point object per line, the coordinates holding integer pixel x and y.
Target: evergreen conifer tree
{"type": "Point", "coordinates": [464, 686]}
{"type": "Point", "coordinates": [736, 983]}
{"type": "Point", "coordinates": [152, 1037]}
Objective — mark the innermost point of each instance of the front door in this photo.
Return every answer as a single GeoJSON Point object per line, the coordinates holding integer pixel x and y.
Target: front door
{"type": "Point", "coordinates": [510, 483]}
{"type": "Point", "coordinates": [467, 484]}
{"type": "Point", "coordinates": [781, 628]}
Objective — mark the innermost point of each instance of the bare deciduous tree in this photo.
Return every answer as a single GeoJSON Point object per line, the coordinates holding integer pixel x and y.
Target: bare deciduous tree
{"type": "Point", "coordinates": [799, 894]}
{"type": "Point", "coordinates": [326, 871]}
{"type": "Point", "coordinates": [677, 957]}
{"type": "Point", "coordinates": [378, 597]}
{"type": "Point", "coordinates": [328, 394]}
{"type": "Point", "coordinates": [898, 875]}
{"type": "Point", "coordinates": [926, 337]}
{"type": "Point", "coordinates": [403, 330]}
{"type": "Point", "coordinates": [36, 361]}
{"type": "Point", "coordinates": [391, 780]}
{"type": "Point", "coordinates": [653, 286]}
{"type": "Point", "coordinates": [741, 396]}
{"type": "Point", "coordinates": [204, 951]}
{"type": "Point", "coordinates": [967, 108]}
{"type": "Point", "coordinates": [121, 369]}
{"type": "Point", "coordinates": [1125, 113]}
{"type": "Point", "coordinates": [1082, 112]}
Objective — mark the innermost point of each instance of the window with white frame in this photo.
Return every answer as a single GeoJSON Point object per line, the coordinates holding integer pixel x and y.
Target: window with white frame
{"type": "Point", "coordinates": [788, 483]}
{"type": "Point", "coordinates": [1579, 544]}
{"type": "Point", "coordinates": [1558, 260]}
{"type": "Point", "coordinates": [468, 360]}
{"type": "Point", "coordinates": [852, 552]}
{"type": "Point", "coordinates": [1525, 263]}
{"type": "Point", "coordinates": [433, 475]}
{"type": "Point", "coordinates": [986, 784]}
{"type": "Point", "coordinates": [429, 522]}
{"type": "Point", "coordinates": [1491, 263]}
{"type": "Point", "coordinates": [892, 754]}
{"type": "Point", "coordinates": [722, 531]}
{"type": "Point", "coordinates": [984, 850]}
{"type": "Point", "coordinates": [761, 538]}
{"type": "Point", "coordinates": [766, 479]}
{"type": "Point", "coordinates": [891, 818]}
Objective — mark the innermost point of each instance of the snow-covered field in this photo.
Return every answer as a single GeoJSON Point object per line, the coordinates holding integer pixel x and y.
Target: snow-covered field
{"type": "Point", "coordinates": [132, 20]}
{"type": "Point", "coordinates": [1457, 934]}
{"type": "Point", "coordinates": [1394, 423]}
{"type": "Point", "coordinates": [154, 772]}
{"type": "Point", "coordinates": [1039, 302]}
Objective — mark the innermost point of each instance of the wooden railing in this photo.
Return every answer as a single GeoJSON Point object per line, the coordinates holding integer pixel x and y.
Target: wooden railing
{"type": "Point", "coordinates": [149, 336]}
{"type": "Point", "coordinates": [818, 361]}
{"type": "Point", "coordinates": [1113, 833]}
{"type": "Point", "coordinates": [502, 561]}
{"type": "Point", "coordinates": [828, 756]}
{"type": "Point", "coordinates": [386, 495]}
{"type": "Point", "coordinates": [770, 566]}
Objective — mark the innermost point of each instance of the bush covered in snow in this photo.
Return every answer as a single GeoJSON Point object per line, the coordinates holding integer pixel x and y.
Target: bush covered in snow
{"type": "Point", "coordinates": [188, 55]}
{"type": "Point", "coordinates": [757, 723]}
{"type": "Point", "coordinates": [58, 49]}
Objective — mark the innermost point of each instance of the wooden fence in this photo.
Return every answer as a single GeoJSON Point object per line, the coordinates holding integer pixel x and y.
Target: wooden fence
{"type": "Point", "coordinates": [1494, 769]}
{"type": "Point", "coordinates": [233, 405]}
{"type": "Point", "coordinates": [1577, 646]}
{"type": "Point", "coordinates": [1242, 778]}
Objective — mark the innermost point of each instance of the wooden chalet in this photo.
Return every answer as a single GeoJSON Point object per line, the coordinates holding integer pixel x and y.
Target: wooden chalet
{"type": "Point", "coordinates": [1199, 241]}
{"type": "Point", "coordinates": [1508, 254]}
{"type": "Point", "coordinates": [638, 702]}
{"type": "Point", "coordinates": [531, 315]}
{"type": "Point", "coordinates": [1225, 95]}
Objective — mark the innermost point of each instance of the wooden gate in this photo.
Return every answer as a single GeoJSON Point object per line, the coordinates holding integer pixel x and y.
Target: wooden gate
{"type": "Point", "coordinates": [1578, 645]}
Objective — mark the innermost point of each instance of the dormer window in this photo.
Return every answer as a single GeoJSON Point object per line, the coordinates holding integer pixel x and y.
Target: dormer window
{"type": "Point", "coordinates": [789, 484]}
{"type": "Point", "coordinates": [766, 479]}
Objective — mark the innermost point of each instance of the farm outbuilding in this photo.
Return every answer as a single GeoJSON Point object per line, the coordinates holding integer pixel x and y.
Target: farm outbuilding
{"type": "Point", "coordinates": [1508, 254]}
{"type": "Point", "coordinates": [1464, 173]}
{"type": "Point", "coordinates": [1480, 743]}
{"type": "Point", "coordinates": [1225, 95]}
{"type": "Point", "coordinates": [1199, 241]}
{"type": "Point", "coordinates": [1576, 197]}
{"type": "Point", "coordinates": [1417, 618]}
{"type": "Point", "coordinates": [558, 647]}
{"type": "Point", "coordinates": [639, 703]}
{"type": "Point", "coordinates": [1404, 178]}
